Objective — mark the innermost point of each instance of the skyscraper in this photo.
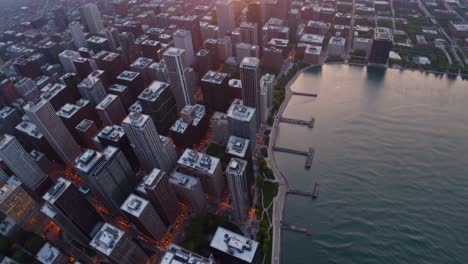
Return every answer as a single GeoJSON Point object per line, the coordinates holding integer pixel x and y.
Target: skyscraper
{"type": "Point", "coordinates": [266, 97]}
{"type": "Point", "coordinates": [216, 92]}
{"type": "Point", "coordinates": [16, 203]}
{"type": "Point", "coordinates": [206, 168]}
{"type": "Point", "coordinates": [179, 255]}
{"type": "Point", "coordinates": [250, 77]}
{"type": "Point", "coordinates": [178, 71]}
{"type": "Point", "coordinates": [183, 40]}
{"type": "Point", "coordinates": [92, 17]}
{"type": "Point", "coordinates": [43, 115]}
{"type": "Point", "coordinates": [236, 174]}
{"type": "Point", "coordinates": [147, 144]}
{"type": "Point", "coordinates": [71, 211]}
{"type": "Point", "coordinates": [118, 246]}
{"type": "Point", "coordinates": [107, 174]}
{"type": "Point", "coordinates": [66, 59]}
{"type": "Point", "coordinates": [242, 122]}
{"type": "Point", "coordinates": [21, 163]}
{"type": "Point", "coordinates": [189, 190]}
{"type": "Point", "coordinates": [92, 89]}
{"type": "Point", "coordinates": [111, 110]}
{"type": "Point", "coordinates": [156, 188]}
{"type": "Point", "coordinates": [381, 46]}
{"type": "Point", "coordinates": [249, 33]}
{"type": "Point", "coordinates": [158, 102]}
{"type": "Point", "coordinates": [225, 16]}
{"type": "Point", "coordinates": [144, 216]}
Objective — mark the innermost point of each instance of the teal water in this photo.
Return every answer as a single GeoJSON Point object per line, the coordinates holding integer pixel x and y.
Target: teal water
{"type": "Point", "coordinates": [391, 157]}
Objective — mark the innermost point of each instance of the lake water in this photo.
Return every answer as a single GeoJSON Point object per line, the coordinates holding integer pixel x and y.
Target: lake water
{"type": "Point", "coordinates": [391, 157]}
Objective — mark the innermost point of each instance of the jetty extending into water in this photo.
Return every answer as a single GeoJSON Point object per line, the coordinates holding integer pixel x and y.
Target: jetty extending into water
{"type": "Point", "coordinates": [309, 123]}
{"type": "Point", "coordinates": [296, 228]}
{"type": "Point", "coordinates": [313, 194]}
{"type": "Point", "coordinates": [304, 94]}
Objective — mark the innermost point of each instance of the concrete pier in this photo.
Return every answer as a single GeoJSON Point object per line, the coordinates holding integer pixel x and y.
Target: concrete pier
{"type": "Point", "coordinates": [300, 229]}
{"type": "Point", "coordinates": [309, 123]}
{"type": "Point", "coordinates": [304, 94]}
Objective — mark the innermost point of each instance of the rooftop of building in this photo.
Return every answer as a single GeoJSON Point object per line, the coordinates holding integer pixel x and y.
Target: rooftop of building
{"type": "Point", "coordinates": [318, 24]}
{"type": "Point", "coordinates": [239, 111]}
{"type": "Point", "coordinates": [48, 254]}
{"type": "Point", "coordinates": [136, 119]}
{"type": "Point", "coordinates": [283, 43]}
{"type": "Point", "coordinates": [181, 33]}
{"type": "Point", "coordinates": [134, 205]}
{"type": "Point", "coordinates": [173, 52]}
{"type": "Point", "coordinates": [235, 83]}
{"type": "Point", "coordinates": [214, 77]}
{"type": "Point", "coordinates": [152, 93]}
{"type": "Point", "coordinates": [248, 25]}
{"type": "Point", "coordinates": [84, 125]}
{"type": "Point", "coordinates": [71, 54]}
{"type": "Point", "coordinates": [30, 129]}
{"type": "Point", "coordinates": [128, 75]}
{"type": "Point", "coordinates": [198, 161]}
{"type": "Point", "coordinates": [89, 82]}
{"type": "Point", "coordinates": [314, 38]}
{"type": "Point", "coordinates": [68, 110]}
{"type": "Point", "coordinates": [234, 244]}
{"type": "Point", "coordinates": [178, 255]}
{"type": "Point", "coordinates": [183, 180]}
{"type": "Point", "coordinates": [106, 101]}
{"type": "Point", "coordinates": [236, 166]}
{"type": "Point", "coordinates": [237, 146]}
{"type": "Point", "coordinates": [6, 111]}
{"type": "Point", "coordinates": [313, 50]}
{"type": "Point", "coordinates": [112, 133]}
{"type": "Point", "coordinates": [96, 39]}
{"type": "Point", "coordinates": [382, 33]}
{"type": "Point", "coordinates": [141, 63]}
{"type": "Point", "coordinates": [250, 62]}
{"type": "Point", "coordinates": [337, 41]}
{"type": "Point", "coordinates": [150, 180]}
{"type": "Point", "coordinates": [106, 239]}
{"type": "Point", "coordinates": [191, 116]}
{"type": "Point", "coordinates": [117, 87]}
{"type": "Point", "coordinates": [9, 188]}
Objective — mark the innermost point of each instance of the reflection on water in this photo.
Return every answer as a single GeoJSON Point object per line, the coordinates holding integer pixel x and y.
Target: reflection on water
{"type": "Point", "coordinates": [391, 150]}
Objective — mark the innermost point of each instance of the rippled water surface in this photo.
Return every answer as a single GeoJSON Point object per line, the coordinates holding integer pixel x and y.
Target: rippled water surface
{"type": "Point", "coordinates": [392, 162]}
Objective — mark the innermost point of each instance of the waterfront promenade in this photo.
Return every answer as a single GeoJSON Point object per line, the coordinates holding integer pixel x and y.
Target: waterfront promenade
{"type": "Point", "coordinates": [280, 199]}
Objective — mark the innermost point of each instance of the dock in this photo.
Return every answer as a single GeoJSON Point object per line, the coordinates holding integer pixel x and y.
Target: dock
{"type": "Point", "coordinates": [309, 123]}
{"type": "Point", "coordinates": [310, 158]}
{"type": "Point", "coordinates": [300, 229]}
{"type": "Point", "coordinates": [291, 151]}
{"type": "Point", "coordinates": [305, 94]}
{"type": "Point", "coordinates": [314, 194]}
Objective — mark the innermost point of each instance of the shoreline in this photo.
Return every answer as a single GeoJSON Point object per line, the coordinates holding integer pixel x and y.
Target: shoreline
{"type": "Point", "coordinates": [280, 198]}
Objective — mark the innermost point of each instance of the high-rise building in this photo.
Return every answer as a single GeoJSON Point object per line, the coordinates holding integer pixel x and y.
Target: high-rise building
{"type": "Point", "coordinates": [219, 126]}
{"type": "Point", "coordinates": [178, 71]}
{"type": "Point", "coordinates": [16, 203]}
{"type": "Point", "coordinates": [92, 89]}
{"type": "Point", "coordinates": [128, 47]}
{"type": "Point", "coordinates": [179, 255]}
{"type": "Point", "coordinates": [249, 33]}
{"type": "Point", "coordinates": [267, 83]}
{"type": "Point", "coordinates": [60, 18]}
{"type": "Point", "coordinates": [236, 174]}
{"type": "Point", "coordinates": [206, 168]}
{"type": "Point", "coordinates": [225, 16]}
{"type": "Point", "coordinates": [111, 110]}
{"type": "Point", "coordinates": [147, 144]}
{"type": "Point", "coordinates": [158, 102]}
{"type": "Point", "coordinates": [143, 215]}
{"type": "Point", "coordinates": [9, 119]}
{"type": "Point", "coordinates": [27, 89]}
{"type": "Point", "coordinates": [71, 211]}
{"type": "Point", "coordinates": [183, 40]}
{"type": "Point", "coordinates": [242, 122]}
{"type": "Point", "coordinates": [381, 46]}
{"type": "Point", "coordinates": [50, 255]}
{"type": "Point", "coordinates": [118, 246]}
{"type": "Point", "coordinates": [250, 77]}
{"type": "Point", "coordinates": [115, 136]}
{"type": "Point", "coordinates": [189, 191]}
{"type": "Point", "coordinates": [222, 247]}
{"type": "Point", "coordinates": [21, 163]}
{"type": "Point", "coordinates": [216, 92]}
{"type": "Point", "coordinates": [84, 67]}
{"type": "Point", "coordinates": [92, 17]}
{"type": "Point", "coordinates": [85, 132]}
{"type": "Point", "coordinates": [66, 59]}
{"type": "Point", "coordinates": [107, 174]}
{"type": "Point", "coordinates": [156, 188]}
{"type": "Point", "coordinates": [43, 115]}
{"type": "Point", "coordinates": [191, 127]}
